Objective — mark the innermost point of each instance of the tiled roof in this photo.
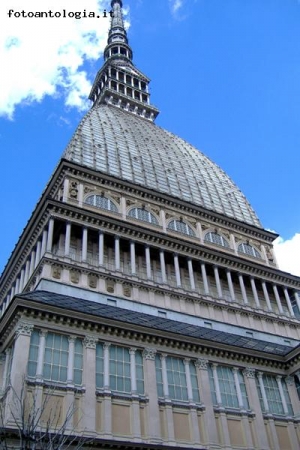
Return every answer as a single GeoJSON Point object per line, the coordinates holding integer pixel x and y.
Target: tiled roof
{"type": "Point", "coordinates": [115, 142]}
{"type": "Point", "coordinates": [155, 323]}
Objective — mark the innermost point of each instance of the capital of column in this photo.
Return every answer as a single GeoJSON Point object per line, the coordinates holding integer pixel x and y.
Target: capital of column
{"type": "Point", "coordinates": [24, 329]}
{"type": "Point", "coordinates": [202, 363]}
{"type": "Point", "coordinates": [132, 350]}
{"type": "Point", "coordinates": [90, 342]}
{"type": "Point", "coordinates": [71, 339]}
{"type": "Point", "coordinates": [249, 372]}
{"type": "Point", "coordinates": [260, 375]}
{"type": "Point", "coordinates": [289, 381]}
{"type": "Point", "coordinates": [149, 353]}
{"type": "Point", "coordinates": [106, 345]}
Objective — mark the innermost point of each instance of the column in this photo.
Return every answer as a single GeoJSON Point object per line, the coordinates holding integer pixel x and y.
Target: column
{"type": "Point", "coordinates": [67, 239]}
{"type": "Point", "coordinates": [288, 301]}
{"type": "Point", "coordinates": [238, 387]}
{"type": "Point", "coordinates": [132, 258]}
{"type": "Point", "coordinates": [148, 262]}
{"type": "Point", "coordinates": [70, 375]}
{"type": "Point", "coordinates": [136, 420]}
{"type": "Point", "coordinates": [254, 290]}
{"type": "Point", "coordinates": [44, 243]}
{"type": "Point", "coordinates": [32, 260]}
{"type": "Point", "coordinates": [177, 270]}
{"type": "Point", "coordinates": [133, 370]}
{"type": "Point", "coordinates": [191, 274]}
{"type": "Point", "coordinates": [216, 382]}
{"type": "Point", "coordinates": [242, 286]}
{"type": "Point", "coordinates": [193, 411]}
{"type": "Point", "coordinates": [263, 392]}
{"type": "Point", "coordinates": [89, 370]}
{"type": "Point", "coordinates": [50, 235]}
{"type": "Point", "coordinates": [80, 194]}
{"type": "Point", "coordinates": [278, 301]}
{"type": "Point", "coordinates": [20, 358]}
{"type": "Point", "coordinates": [266, 295]}
{"type": "Point", "coordinates": [258, 423]}
{"type": "Point", "coordinates": [101, 248]}
{"type": "Point", "coordinates": [17, 286]}
{"type": "Point", "coordinates": [5, 380]}
{"type": "Point", "coordinates": [218, 283]}
{"type": "Point", "coordinates": [22, 280]}
{"type": "Point", "coordinates": [162, 266]}
{"type": "Point", "coordinates": [117, 253]}
{"type": "Point", "coordinates": [66, 189]}
{"type": "Point", "coordinates": [230, 285]}
{"type": "Point", "coordinates": [38, 254]}
{"type": "Point", "coordinates": [210, 428]}
{"type": "Point", "coordinates": [164, 375]}
{"type": "Point", "coordinates": [41, 352]}
{"type": "Point", "coordinates": [84, 244]}
{"type": "Point", "coordinates": [282, 396]}
{"type": "Point", "coordinates": [106, 364]}
{"type": "Point", "coordinates": [27, 268]}
{"type": "Point", "coordinates": [204, 278]}
{"type": "Point", "coordinates": [188, 379]}
{"type": "Point", "coordinates": [297, 299]}
{"type": "Point", "coordinates": [151, 392]}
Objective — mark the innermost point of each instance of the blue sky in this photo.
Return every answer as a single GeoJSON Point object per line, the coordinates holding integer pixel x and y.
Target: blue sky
{"type": "Point", "coordinates": [225, 76]}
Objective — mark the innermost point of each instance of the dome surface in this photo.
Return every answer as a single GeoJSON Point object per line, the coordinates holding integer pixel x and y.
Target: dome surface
{"type": "Point", "coordinates": [123, 145]}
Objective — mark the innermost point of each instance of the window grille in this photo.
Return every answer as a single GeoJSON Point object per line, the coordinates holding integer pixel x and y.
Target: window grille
{"type": "Point", "coordinates": [101, 202]}
{"type": "Point", "coordinates": [216, 238]}
{"type": "Point", "coordinates": [273, 395]}
{"type": "Point", "coordinates": [248, 250]}
{"type": "Point", "coordinates": [143, 214]}
{"type": "Point", "coordinates": [181, 227]}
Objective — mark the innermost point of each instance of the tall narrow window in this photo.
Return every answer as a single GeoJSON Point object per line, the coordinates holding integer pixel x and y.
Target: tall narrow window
{"type": "Point", "coordinates": [99, 366]}
{"type": "Point", "coordinates": [78, 362]}
{"type": "Point", "coordinates": [33, 353]}
{"type": "Point", "coordinates": [181, 227]}
{"type": "Point", "coordinates": [119, 368]}
{"type": "Point", "coordinates": [227, 387]}
{"type": "Point", "coordinates": [56, 357]}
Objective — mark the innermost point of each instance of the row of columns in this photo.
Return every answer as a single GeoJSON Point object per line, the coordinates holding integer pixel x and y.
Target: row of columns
{"type": "Point", "coordinates": [46, 245]}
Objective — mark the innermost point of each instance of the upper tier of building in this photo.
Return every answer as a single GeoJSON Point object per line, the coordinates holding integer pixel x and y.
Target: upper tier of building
{"type": "Point", "coordinates": [125, 145]}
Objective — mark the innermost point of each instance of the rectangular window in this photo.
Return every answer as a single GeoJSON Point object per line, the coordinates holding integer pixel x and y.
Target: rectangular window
{"type": "Point", "coordinates": [273, 395]}
{"type": "Point", "coordinates": [33, 353]}
{"type": "Point", "coordinates": [78, 362]}
{"type": "Point", "coordinates": [99, 366]}
{"type": "Point", "coordinates": [56, 357]}
{"type": "Point", "coordinates": [139, 372]}
{"type": "Point", "coordinates": [119, 369]}
{"type": "Point", "coordinates": [227, 386]}
{"type": "Point", "coordinates": [159, 379]}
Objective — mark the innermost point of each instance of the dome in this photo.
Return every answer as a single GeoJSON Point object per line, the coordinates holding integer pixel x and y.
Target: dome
{"type": "Point", "coordinates": [113, 141]}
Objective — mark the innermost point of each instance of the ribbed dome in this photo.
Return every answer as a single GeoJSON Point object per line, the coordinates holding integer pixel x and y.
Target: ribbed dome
{"type": "Point", "coordinates": [126, 146]}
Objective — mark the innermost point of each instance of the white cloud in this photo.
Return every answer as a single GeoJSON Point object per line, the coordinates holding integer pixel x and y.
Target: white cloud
{"type": "Point", "coordinates": [175, 5]}
{"type": "Point", "coordinates": [288, 254]}
{"type": "Point", "coordinates": [43, 56]}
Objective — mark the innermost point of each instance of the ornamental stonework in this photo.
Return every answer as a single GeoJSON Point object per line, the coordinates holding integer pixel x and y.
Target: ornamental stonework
{"type": "Point", "coordinates": [90, 342]}
{"type": "Point", "coordinates": [149, 353]}
{"type": "Point", "coordinates": [24, 329]}
{"type": "Point", "coordinates": [110, 286]}
{"type": "Point", "coordinates": [202, 363]}
{"type": "Point", "coordinates": [73, 190]}
{"type": "Point", "coordinates": [92, 280]}
{"type": "Point", "coordinates": [74, 276]}
{"type": "Point", "coordinates": [249, 372]}
{"type": "Point", "coordinates": [56, 272]}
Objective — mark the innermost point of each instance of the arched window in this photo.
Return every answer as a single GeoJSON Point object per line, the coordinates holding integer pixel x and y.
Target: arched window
{"type": "Point", "coordinates": [143, 214]}
{"type": "Point", "coordinates": [180, 227]}
{"type": "Point", "coordinates": [101, 202]}
{"type": "Point", "coordinates": [215, 238]}
{"type": "Point", "coordinates": [248, 250]}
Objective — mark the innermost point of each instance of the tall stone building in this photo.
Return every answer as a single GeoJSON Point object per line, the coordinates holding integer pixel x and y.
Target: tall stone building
{"type": "Point", "coordinates": [145, 291]}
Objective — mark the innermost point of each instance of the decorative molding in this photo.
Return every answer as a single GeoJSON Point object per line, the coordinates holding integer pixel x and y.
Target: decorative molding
{"type": "Point", "coordinates": [24, 329]}
{"type": "Point", "coordinates": [90, 342]}
{"type": "Point", "coordinates": [249, 372]}
{"type": "Point", "coordinates": [289, 381]}
{"type": "Point", "coordinates": [202, 363]}
{"type": "Point", "coordinates": [149, 353]}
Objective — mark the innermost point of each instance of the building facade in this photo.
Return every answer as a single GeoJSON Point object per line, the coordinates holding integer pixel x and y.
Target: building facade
{"type": "Point", "coordinates": [144, 293]}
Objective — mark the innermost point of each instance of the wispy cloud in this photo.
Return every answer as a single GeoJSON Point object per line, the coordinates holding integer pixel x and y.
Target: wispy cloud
{"type": "Point", "coordinates": [45, 56]}
{"type": "Point", "coordinates": [175, 5]}
{"type": "Point", "coordinates": [288, 254]}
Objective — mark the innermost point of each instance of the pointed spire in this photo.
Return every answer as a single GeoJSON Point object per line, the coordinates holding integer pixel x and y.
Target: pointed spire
{"type": "Point", "coordinates": [117, 34]}
{"type": "Point", "coordinates": [119, 82]}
